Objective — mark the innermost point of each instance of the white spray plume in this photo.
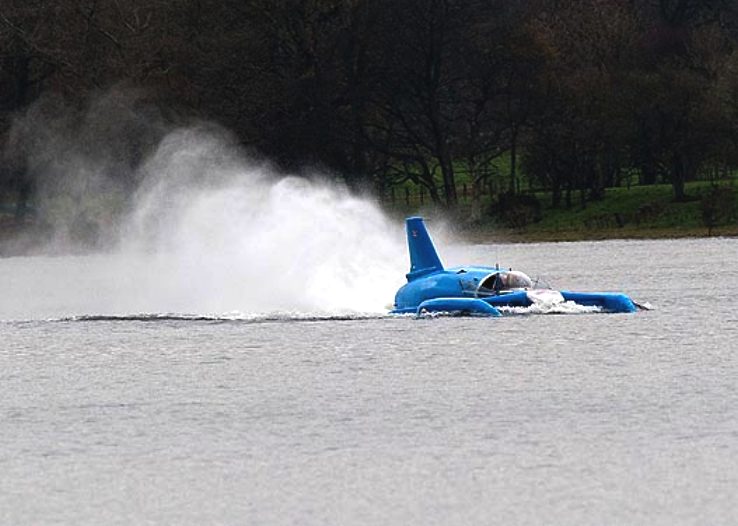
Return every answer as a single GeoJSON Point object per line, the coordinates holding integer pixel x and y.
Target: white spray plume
{"type": "Point", "coordinates": [241, 238]}
{"type": "Point", "coordinates": [210, 231]}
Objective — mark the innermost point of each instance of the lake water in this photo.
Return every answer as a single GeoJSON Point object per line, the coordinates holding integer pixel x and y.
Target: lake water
{"type": "Point", "coordinates": [263, 418]}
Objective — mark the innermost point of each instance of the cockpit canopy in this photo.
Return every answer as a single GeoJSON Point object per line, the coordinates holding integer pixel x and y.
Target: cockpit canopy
{"type": "Point", "coordinates": [505, 280]}
{"type": "Point", "coordinates": [516, 280]}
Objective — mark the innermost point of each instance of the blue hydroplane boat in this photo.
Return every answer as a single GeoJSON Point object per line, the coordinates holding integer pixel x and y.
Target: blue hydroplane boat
{"type": "Point", "coordinates": [479, 290]}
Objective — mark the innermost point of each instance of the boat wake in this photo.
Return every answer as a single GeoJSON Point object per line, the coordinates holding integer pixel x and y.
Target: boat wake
{"type": "Point", "coordinates": [221, 318]}
{"type": "Point", "coordinates": [566, 307]}
{"type": "Point", "coordinates": [286, 317]}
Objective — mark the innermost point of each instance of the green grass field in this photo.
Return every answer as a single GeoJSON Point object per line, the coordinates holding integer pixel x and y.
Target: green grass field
{"type": "Point", "coordinates": [635, 212]}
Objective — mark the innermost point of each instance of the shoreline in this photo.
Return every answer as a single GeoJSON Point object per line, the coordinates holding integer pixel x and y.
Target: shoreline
{"type": "Point", "coordinates": [481, 235]}
{"type": "Point", "coordinates": [24, 246]}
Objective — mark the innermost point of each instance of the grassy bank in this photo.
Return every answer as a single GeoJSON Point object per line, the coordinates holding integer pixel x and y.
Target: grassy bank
{"type": "Point", "coordinates": [638, 212]}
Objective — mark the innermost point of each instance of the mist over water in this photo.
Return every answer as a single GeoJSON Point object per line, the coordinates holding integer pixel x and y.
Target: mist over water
{"type": "Point", "coordinates": [211, 232]}
{"type": "Point", "coordinates": [235, 236]}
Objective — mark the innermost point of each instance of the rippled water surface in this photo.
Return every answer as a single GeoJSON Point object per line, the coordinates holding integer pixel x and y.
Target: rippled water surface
{"type": "Point", "coordinates": [284, 419]}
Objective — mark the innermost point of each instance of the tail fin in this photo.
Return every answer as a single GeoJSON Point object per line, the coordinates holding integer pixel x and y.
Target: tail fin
{"type": "Point", "coordinates": [423, 256]}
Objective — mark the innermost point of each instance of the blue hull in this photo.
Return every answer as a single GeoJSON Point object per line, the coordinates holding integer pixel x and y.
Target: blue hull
{"type": "Point", "coordinates": [467, 306]}
{"type": "Point", "coordinates": [606, 301]}
{"type": "Point", "coordinates": [479, 290]}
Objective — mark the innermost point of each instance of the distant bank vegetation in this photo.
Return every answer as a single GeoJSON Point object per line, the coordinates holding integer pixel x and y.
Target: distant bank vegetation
{"type": "Point", "coordinates": [497, 108]}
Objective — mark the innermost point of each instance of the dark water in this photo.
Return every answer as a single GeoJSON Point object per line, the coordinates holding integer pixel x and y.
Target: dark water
{"type": "Point", "coordinates": [527, 419]}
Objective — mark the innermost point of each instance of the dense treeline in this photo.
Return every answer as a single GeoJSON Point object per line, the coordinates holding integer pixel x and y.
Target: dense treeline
{"type": "Point", "coordinates": [576, 94]}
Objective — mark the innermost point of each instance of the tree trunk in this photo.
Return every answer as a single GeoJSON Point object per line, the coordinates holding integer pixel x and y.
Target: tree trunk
{"type": "Point", "coordinates": [556, 194]}
{"type": "Point", "coordinates": [513, 163]}
{"type": "Point", "coordinates": [476, 201]}
{"type": "Point", "coordinates": [449, 179]}
{"type": "Point", "coordinates": [597, 186]}
{"type": "Point", "coordinates": [427, 180]}
{"type": "Point", "coordinates": [678, 176]}
{"type": "Point", "coordinates": [434, 195]}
